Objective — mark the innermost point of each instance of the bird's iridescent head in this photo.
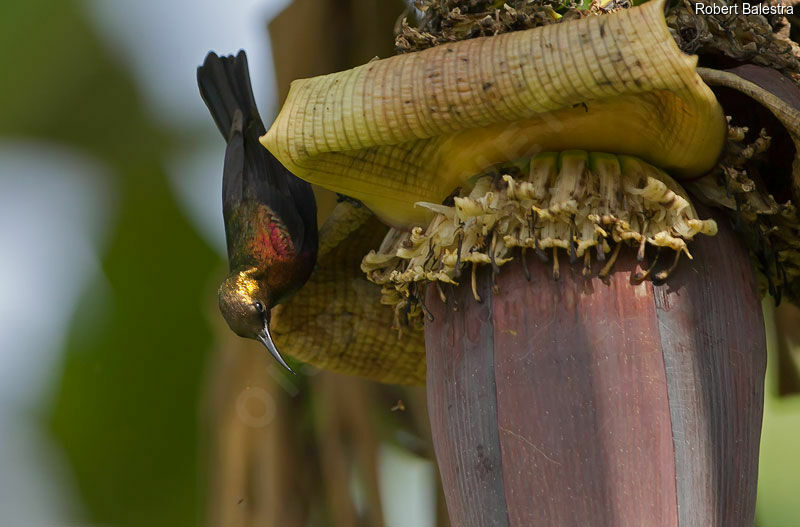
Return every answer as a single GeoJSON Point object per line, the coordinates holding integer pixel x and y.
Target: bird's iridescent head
{"type": "Point", "coordinates": [246, 305]}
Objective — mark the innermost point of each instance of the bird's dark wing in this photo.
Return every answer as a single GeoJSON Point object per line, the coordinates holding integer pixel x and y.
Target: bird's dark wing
{"type": "Point", "coordinates": [232, 177]}
{"type": "Point", "coordinates": [251, 172]}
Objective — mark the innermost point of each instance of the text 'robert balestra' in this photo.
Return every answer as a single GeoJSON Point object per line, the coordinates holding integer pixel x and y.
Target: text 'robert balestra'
{"type": "Point", "coordinates": [742, 9]}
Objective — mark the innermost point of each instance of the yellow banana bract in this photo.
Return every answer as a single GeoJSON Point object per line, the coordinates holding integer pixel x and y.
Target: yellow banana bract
{"type": "Point", "coordinates": [414, 127]}
{"type": "Point", "coordinates": [336, 321]}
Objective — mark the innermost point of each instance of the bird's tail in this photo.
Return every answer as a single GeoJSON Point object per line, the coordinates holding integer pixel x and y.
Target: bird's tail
{"type": "Point", "coordinates": [225, 87]}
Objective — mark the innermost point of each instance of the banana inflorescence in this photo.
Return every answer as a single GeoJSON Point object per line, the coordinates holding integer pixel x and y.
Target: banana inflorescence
{"type": "Point", "coordinates": [478, 148]}
{"type": "Point", "coordinates": [577, 203]}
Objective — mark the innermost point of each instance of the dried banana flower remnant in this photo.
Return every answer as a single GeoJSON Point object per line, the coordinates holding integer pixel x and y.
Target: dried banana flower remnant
{"type": "Point", "coordinates": [575, 203]}
{"type": "Point", "coordinates": [414, 127]}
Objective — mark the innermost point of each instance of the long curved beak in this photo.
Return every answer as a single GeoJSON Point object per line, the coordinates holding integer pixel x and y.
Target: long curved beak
{"type": "Point", "coordinates": [266, 339]}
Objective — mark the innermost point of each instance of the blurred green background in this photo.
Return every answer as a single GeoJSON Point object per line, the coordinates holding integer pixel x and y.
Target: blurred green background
{"type": "Point", "coordinates": [117, 376]}
{"type": "Point", "coordinates": [111, 247]}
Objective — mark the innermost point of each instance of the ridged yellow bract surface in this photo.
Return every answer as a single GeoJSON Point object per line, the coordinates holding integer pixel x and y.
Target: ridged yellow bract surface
{"type": "Point", "coordinates": [336, 321]}
{"type": "Point", "coordinates": [414, 127]}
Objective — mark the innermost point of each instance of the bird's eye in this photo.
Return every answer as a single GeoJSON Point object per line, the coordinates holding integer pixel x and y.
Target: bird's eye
{"type": "Point", "coordinates": [259, 306]}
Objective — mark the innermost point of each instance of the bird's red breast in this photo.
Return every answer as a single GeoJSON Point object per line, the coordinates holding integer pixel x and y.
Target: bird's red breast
{"type": "Point", "coordinates": [270, 241]}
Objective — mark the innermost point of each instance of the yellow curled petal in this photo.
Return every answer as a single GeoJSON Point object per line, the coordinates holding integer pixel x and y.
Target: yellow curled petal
{"type": "Point", "coordinates": [413, 127]}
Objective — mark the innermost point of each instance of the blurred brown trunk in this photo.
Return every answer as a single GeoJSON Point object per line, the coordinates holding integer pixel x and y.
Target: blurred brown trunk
{"type": "Point", "coordinates": [787, 324]}
{"type": "Point", "coordinates": [577, 402]}
{"type": "Point", "coordinates": [282, 456]}
{"type": "Point", "coordinates": [254, 477]}
{"type": "Point", "coordinates": [345, 437]}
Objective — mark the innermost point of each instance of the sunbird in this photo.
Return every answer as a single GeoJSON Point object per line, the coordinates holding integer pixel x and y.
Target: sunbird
{"type": "Point", "coordinates": [270, 214]}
